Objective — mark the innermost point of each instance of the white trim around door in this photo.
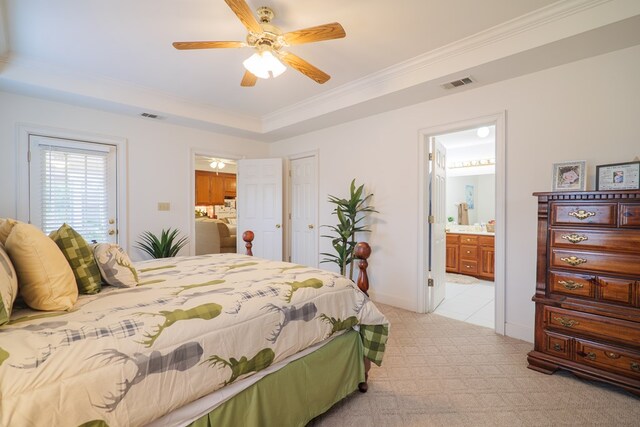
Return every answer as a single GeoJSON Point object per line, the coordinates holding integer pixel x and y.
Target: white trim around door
{"type": "Point", "coordinates": [499, 120]}
{"type": "Point", "coordinates": [23, 133]}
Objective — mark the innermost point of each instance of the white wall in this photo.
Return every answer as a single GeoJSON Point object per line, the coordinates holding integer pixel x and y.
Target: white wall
{"type": "Point", "coordinates": [158, 158]}
{"type": "Point", "coordinates": [575, 111]}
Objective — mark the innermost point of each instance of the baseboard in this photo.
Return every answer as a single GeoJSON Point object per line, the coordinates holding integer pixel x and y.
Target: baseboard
{"type": "Point", "coordinates": [393, 300]}
{"type": "Point", "coordinates": [520, 332]}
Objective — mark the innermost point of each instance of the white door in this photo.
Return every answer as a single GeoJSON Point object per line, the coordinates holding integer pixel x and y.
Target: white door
{"type": "Point", "coordinates": [304, 199]}
{"type": "Point", "coordinates": [437, 224]}
{"type": "Point", "coordinates": [259, 206]}
{"type": "Point", "coordinates": [73, 182]}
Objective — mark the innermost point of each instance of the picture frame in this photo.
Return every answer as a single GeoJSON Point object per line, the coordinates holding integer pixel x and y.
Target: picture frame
{"type": "Point", "coordinates": [570, 176]}
{"type": "Point", "coordinates": [618, 176]}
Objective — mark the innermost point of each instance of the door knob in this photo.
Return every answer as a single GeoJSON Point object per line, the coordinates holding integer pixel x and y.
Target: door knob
{"type": "Point", "coordinates": [277, 225]}
{"type": "Point", "coordinates": [112, 221]}
{"type": "Point", "coordinates": [310, 226]}
{"type": "Point", "coordinates": [112, 232]}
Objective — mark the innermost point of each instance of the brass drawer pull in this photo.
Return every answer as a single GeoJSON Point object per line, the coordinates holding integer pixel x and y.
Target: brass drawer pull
{"type": "Point", "coordinates": [567, 323]}
{"type": "Point", "coordinates": [591, 356]}
{"type": "Point", "coordinates": [570, 284]}
{"type": "Point", "coordinates": [557, 347]}
{"type": "Point", "coordinates": [582, 214]}
{"type": "Point", "coordinates": [612, 355]}
{"type": "Point", "coordinates": [635, 366]}
{"type": "Point", "coordinates": [574, 238]}
{"type": "Point", "coordinates": [573, 260]}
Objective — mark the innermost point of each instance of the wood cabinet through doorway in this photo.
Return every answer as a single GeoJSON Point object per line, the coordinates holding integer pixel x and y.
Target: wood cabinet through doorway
{"type": "Point", "coordinates": [471, 254]}
{"type": "Point", "coordinates": [212, 188]}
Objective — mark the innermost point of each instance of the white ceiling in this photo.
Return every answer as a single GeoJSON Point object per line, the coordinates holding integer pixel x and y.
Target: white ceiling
{"type": "Point", "coordinates": [202, 163]}
{"type": "Point", "coordinates": [117, 54]}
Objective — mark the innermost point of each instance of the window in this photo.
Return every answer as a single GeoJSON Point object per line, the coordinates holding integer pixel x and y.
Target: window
{"type": "Point", "coordinates": [73, 182]}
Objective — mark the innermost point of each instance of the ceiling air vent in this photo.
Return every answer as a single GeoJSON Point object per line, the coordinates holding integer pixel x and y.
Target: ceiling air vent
{"type": "Point", "coordinates": [149, 115]}
{"type": "Point", "coordinates": [457, 83]}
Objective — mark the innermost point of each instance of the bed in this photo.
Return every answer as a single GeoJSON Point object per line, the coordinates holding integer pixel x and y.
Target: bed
{"type": "Point", "coordinates": [224, 339]}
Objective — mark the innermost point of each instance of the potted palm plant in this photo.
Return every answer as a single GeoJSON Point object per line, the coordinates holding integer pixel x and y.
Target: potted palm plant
{"type": "Point", "coordinates": [350, 212]}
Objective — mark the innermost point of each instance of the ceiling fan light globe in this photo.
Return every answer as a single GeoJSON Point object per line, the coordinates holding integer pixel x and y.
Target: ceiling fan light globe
{"type": "Point", "coordinates": [221, 165]}
{"type": "Point", "coordinates": [264, 65]}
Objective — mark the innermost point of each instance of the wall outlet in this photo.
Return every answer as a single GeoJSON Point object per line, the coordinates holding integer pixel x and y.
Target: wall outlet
{"type": "Point", "coordinates": [164, 206]}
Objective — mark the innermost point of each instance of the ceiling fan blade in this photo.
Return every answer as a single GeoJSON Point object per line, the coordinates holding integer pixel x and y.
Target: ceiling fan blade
{"type": "Point", "coordinates": [305, 68]}
{"type": "Point", "coordinates": [248, 79]}
{"type": "Point", "coordinates": [206, 45]}
{"type": "Point", "coordinates": [315, 34]}
{"type": "Point", "coordinates": [243, 11]}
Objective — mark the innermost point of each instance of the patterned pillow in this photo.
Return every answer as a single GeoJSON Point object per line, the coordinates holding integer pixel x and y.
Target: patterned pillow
{"type": "Point", "coordinates": [8, 286]}
{"type": "Point", "coordinates": [115, 266]}
{"type": "Point", "coordinates": [80, 257]}
{"type": "Point", "coordinates": [45, 279]}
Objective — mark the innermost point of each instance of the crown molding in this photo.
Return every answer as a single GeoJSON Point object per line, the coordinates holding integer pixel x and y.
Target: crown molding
{"type": "Point", "coordinates": [546, 25]}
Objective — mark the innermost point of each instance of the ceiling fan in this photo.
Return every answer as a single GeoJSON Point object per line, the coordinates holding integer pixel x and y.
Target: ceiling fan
{"type": "Point", "coordinates": [269, 41]}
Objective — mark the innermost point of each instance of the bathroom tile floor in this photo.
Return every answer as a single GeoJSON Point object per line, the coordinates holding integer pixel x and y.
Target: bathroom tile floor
{"type": "Point", "coordinates": [471, 302]}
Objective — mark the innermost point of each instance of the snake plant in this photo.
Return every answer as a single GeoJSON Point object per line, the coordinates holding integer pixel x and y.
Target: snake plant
{"type": "Point", "coordinates": [166, 246]}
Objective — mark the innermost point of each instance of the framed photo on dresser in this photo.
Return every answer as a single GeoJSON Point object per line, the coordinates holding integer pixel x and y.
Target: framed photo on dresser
{"type": "Point", "coordinates": [618, 176]}
{"type": "Point", "coordinates": [570, 176]}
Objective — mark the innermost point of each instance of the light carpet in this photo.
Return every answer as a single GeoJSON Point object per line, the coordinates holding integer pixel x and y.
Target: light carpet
{"type": "Point", "coordinates": [442, 372]}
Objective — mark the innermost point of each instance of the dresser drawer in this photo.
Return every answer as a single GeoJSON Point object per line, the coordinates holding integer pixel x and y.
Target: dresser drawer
{"type": "Point", "coordinates": [609, 240]}
{"type": "Point", "coordinates": [629, 215]}
{"type": "Point", "coordinates": [603, 214]}
{"type": "Point", "coordinates": [623, 264]}
{"type": "Point", "coordinates": [468, 252]}
{"type": "Point", "coordinates": [615, 290]}
{"type": "Point", "coordinates": [610, 358]}
{"type": "Point", "coordinates": [572, 322]}
{"type": "Point", "coordinates": [582, 285]}
{"type": "Point", "coordinates": [557, 345]}
{"type": "Point", "coordinates": [467, 266]}
{"type": "Point", "coordinates": [486, 241]}
{"type": "Point", "coordinates": [466, 239]}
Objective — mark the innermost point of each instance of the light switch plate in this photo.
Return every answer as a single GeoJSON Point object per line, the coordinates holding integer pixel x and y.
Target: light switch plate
{"type": "Point", "coordinates": [164, 206]}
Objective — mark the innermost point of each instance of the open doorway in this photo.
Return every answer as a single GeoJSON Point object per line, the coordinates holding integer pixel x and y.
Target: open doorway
{"type": "Point", "coordinates": [470, 230]}
{"type": "Point", "coordinates": [432, 223]}
{"type": "Point", "coordinates": [215, 215]}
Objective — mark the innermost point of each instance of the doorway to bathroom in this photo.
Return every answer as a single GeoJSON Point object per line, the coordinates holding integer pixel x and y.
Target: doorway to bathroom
{"type": "Point", "coordinates": [470, 228]}
{"type": "Point", "coordinates": [469, 269]}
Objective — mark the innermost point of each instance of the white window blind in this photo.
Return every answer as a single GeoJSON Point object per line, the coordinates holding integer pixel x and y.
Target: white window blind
{"type": "Point", "coordinates": [74, 183]}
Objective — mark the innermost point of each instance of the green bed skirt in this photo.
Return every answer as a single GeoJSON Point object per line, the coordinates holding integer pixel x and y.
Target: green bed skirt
{"type": "Point", "coordinates": [297, 393]}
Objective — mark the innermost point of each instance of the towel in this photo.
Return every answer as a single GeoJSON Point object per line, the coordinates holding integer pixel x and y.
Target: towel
{"type": "Point", "coordinates": [463, 214]}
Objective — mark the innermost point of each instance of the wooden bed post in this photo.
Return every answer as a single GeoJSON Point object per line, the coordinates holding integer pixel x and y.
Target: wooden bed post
{"type": "Point", "coordinates": [362, 252]}
{"type": "Point", "coordinates": [248, 236]}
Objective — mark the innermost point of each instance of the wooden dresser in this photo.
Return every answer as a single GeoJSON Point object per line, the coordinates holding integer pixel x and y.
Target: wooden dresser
{"type": "Point", "coordinates": [588, 286]}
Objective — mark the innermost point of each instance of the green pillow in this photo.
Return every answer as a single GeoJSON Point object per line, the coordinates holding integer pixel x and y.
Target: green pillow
{"type": "Point", "coordinates": [8, 286]}
{"type": "Point", "coordinates": [80, 257]}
